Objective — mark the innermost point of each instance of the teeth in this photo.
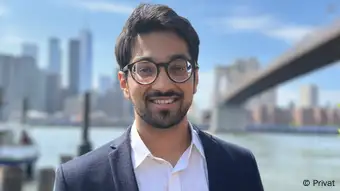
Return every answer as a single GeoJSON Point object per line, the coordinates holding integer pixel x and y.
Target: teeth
{"type": "Point", "coordinates": [167, 101]}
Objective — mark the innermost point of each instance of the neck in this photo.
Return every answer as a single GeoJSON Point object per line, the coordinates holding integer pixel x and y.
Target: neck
{"type": "Point", "coordinates": [168, 144]}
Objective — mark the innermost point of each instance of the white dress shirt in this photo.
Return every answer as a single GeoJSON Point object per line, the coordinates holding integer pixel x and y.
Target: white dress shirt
{"type": "Point", "coordinates": [156, 174]}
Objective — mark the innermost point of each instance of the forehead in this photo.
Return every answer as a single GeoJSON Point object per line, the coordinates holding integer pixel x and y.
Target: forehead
{"type": "Point", "coordinates": [160, 46]}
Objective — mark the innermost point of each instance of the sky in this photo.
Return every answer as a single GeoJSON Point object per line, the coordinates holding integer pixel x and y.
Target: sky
{"type": "Point", "coordinates": [228, 30]}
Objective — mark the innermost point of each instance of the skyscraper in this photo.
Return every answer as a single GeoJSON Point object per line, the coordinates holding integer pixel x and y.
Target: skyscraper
{"type": "Point", "coordinates": [85, 61]}
{"type": "Point", "coordinates": [53, 93]}
{"type": "Point", "coordinates": [309, 96]}
{"type": "Point", "coordinates": [19, 80]}
{"type": "Point", "coordinates": [116, 85]}
{"type": "Point", "coordinates": [36, 89]}
{"type": "Point", "coordinates": [7, 64]}
{"type": "Point", "coordinates": [53, 77]}
{"type": "Point", "coordinates": [74, 66]}
{"type": "Point", "coordinates": [54, 63]}
{"type": "Point", "coordinates": [30, 49]}
{"type": "Point", "coordinates": [105, 83]}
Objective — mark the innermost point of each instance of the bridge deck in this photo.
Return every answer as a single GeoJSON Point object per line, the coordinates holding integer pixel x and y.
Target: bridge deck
{"type": "Point", "coordinates": [316, 51]}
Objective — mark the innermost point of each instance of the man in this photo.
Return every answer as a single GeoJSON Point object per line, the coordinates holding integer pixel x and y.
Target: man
{"type": "Point", "coordinates": [157, 53]}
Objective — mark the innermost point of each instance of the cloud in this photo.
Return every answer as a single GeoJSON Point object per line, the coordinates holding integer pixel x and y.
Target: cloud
{"type": "Point", "coordinates": [10, 44]}
{"type": "Point", "coordinates": [248, 23]}
{"type": "Point", "coordinates": [290, 33]}
{"type": "Point", "coordinates": [243, 19]}
{"type": "Point", "coordinates": [241, 10]}
{"type": "Point", "coordinates": [11, 39]}
{"type": "Point", "coordinates": [104, 7]}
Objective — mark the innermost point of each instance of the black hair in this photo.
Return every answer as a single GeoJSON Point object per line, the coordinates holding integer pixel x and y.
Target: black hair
{"type": "Point", "coordinates": [148, 18]}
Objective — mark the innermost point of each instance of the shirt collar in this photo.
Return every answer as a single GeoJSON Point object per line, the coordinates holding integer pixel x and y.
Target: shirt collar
{"type": "Point", "coordinates": [140, 152]}
{"type": "Point", "coordinates": [138, 148]}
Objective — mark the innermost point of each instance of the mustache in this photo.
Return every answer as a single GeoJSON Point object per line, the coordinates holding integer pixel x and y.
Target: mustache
{"type": "Point", "coordinates": [164, 94]}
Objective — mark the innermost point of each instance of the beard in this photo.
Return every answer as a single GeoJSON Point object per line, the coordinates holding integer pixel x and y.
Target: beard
{"type": "Point", "coordinates": [162, 119]}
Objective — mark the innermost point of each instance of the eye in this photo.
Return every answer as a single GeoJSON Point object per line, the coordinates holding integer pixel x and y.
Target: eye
{"type": "Point", "coordinates": [144, 69]}
{"type": "Point", "coordinates": [179, 67]}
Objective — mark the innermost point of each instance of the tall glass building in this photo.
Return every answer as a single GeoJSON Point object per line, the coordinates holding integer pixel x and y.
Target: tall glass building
{"type": "Point", "coordinates": [74, 66]}
{"type": "Point", "coordinates": [85, 69]}
{"type": "Point", "coordinates": [54, 65]}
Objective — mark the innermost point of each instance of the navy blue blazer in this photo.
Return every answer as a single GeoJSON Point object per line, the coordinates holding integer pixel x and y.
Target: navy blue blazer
{"type": "Point", "coordinates": [109, 168]}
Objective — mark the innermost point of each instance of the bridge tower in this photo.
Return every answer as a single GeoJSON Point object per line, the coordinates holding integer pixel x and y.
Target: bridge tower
{"type": "Point", "coordinates": [226, 117]}
{"type": "Point", "coordinates": [220, 85]}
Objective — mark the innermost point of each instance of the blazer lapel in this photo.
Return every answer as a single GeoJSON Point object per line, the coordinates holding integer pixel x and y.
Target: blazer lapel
{"type": "Point", "coordinates": [121, 165]}
{"type": "Point", "coordinates": [220, 174]}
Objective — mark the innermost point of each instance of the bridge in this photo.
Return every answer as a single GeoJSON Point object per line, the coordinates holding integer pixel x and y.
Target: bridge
{"type": "Point", "coordinates": [316, 51]}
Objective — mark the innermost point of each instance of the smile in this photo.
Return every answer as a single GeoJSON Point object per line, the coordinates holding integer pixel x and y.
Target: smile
{"type": "Point", "coordinates": [163, 101]}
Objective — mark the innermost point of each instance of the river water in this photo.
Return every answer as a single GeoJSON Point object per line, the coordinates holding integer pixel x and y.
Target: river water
{"type": "Point", "coordinates": [284, 160]}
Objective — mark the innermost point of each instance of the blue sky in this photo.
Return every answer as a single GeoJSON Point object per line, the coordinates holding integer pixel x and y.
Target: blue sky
{"type": "Point", "coordinates": [228, 29]}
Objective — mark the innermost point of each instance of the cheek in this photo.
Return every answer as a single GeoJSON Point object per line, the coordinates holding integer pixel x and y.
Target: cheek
{"type": "Point", "coordinates": [137, 93]}
{"type": "Point", "coordinates": [187, 90]}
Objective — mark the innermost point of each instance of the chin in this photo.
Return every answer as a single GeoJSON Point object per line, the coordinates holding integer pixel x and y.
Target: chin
{"type": "Point", "coordinates": [166, 125]}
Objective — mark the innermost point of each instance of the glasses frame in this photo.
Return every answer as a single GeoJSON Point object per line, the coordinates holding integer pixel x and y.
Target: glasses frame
{"type": "Point", "coordinates": [165, 65]}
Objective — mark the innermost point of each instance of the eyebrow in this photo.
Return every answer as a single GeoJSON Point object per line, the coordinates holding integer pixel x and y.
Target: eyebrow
{"type": "Point", "coordinates": [172, 57]}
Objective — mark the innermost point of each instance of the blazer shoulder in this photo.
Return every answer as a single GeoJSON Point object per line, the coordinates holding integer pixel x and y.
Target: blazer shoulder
{"type": "Point", "coordinates": [92, 160]}
{"type": "Point", "coordinates": [236, 152]}
{"type": "Point", "coordinates": [84, 171]}
{"type": "Point", "coordinates": [241, 160]}
{"type": "Point", "coordinates": [90, 171]}
{"type": "Point", "coordinates": [85, 164]}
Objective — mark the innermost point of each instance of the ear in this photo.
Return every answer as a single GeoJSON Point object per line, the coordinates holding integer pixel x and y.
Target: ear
{"type": "Point", "coordinates": [196, 81]}
{"type": "Point", "coordinates": [123, 84]}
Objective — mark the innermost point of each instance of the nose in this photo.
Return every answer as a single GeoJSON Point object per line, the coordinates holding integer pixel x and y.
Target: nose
{"type": "Point", "coordinates": [163, 82]}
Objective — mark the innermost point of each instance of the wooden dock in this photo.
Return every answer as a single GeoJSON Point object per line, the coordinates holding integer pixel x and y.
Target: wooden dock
{"type": "Point", "coordinates": [13, 178]}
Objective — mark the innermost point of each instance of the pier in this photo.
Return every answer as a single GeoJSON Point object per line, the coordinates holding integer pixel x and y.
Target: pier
{"type": "Point", "coordinates": [12, 178]}
{"type": "Point", "coordinates": [15, 177]}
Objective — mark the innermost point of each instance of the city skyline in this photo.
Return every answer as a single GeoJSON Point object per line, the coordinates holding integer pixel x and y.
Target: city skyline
{"type": "Point", "coordinates": [274, 27]}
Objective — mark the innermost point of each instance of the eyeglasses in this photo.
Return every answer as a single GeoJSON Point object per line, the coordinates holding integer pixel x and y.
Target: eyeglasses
{"type": "Point", "coordinates": [146, 72]}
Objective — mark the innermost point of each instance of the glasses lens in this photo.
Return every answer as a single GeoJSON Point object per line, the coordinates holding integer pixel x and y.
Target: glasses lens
{"type": "Point", "coordinates": [144, 72]}
{"type": "Point", "coordinates": [180, 70]}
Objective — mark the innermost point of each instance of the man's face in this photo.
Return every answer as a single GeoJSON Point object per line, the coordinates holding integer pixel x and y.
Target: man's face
{"type": "Point", "coordinates": [163, 103]}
